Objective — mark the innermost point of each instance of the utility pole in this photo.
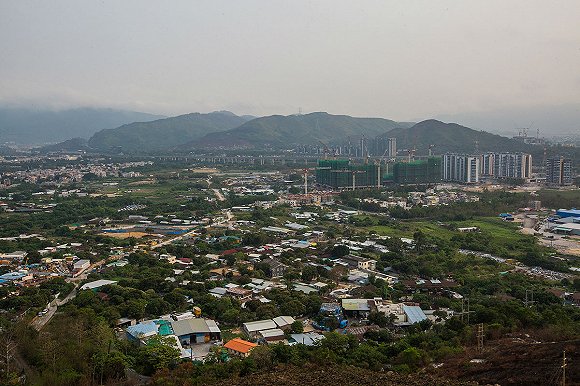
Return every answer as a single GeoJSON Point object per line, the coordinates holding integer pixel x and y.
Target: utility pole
{"type": "Point", "coordinates": [564, 365]}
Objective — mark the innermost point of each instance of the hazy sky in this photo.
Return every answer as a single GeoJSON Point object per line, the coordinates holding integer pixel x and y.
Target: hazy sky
{"type": "Point", "coordinates": [397, 59]}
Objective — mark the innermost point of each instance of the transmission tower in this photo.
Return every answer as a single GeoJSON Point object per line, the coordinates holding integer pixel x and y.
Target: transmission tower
{"type": "Point", "coordinates": [465, 309]}
{"type": "Point", "coordinates": [480, 337]}
{"type": "Point", "coordinates": [529, 298]}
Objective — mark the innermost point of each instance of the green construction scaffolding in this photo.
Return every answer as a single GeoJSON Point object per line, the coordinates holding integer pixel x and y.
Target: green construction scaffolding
{"type": "Point", "coordinates": [339, 174]}
{"type": "Point", "coordinates": [418, 172]}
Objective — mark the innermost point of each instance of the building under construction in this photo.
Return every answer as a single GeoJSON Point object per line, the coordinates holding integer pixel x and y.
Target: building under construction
{"type": "Point", "coordinates": [342, 174]}
{"type": "Point", "coordinates": [418, 172]}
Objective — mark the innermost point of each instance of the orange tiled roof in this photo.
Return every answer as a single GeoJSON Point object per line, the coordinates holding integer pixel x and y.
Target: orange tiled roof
{"type": "Point", "coordinates": [240, 345]}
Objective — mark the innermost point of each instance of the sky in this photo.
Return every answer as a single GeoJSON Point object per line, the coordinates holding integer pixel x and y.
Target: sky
{"type": "Point", "coordinates": [404, 60]}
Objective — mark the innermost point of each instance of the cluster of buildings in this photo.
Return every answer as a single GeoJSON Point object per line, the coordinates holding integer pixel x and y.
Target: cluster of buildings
{"type": "Point", "coordinates": [380, 146]}
{"type": "Point", "coordinates": [431, 197]}
{"type": "Point", "coordinates": [70, 173]}
{"type": "Point", "coordinates": [450, 167]}
{"type": "Point", "coordinates": [566, 222]}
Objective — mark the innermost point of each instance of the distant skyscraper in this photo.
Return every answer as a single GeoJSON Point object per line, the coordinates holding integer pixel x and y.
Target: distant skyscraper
{"type": "Point", "coordinates": [506, 165]}
{"type": "Point", "coordinates": [559, 171]}
{"type": "Point", "coordinates": [392, 147]}
{"type": "Point", "coordinates": [461, 168]}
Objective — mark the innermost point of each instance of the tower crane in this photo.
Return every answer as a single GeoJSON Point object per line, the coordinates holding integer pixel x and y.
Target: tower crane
{"type": "Point", "coordinates": [431, 149]}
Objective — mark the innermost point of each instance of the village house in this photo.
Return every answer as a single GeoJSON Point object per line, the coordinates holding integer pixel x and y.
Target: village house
{"type": "Point", "coordinates": [358, 262]}
{"type": "Point", "coordinates": [239, 347]}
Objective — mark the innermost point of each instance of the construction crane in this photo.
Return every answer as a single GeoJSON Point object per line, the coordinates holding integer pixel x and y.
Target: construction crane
{"type": "Point", "coordinates": [325, 149]}
{"type": "Point", "coordinates": [379, 175]}
{"type": "Point", "coordinates": [353, 172]}
{"type": "Point", "coordinates": [431, 149]}
{"type": "Point", "coordinates": [305, 172]}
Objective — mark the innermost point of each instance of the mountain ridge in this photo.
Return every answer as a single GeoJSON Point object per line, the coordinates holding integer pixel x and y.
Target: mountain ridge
{"type": "Point", "coordinates": [281, 130]}
{"type": "Point", "coordinates": [452, 137]}
{"type": "Point", "coordinates": [163, 134]}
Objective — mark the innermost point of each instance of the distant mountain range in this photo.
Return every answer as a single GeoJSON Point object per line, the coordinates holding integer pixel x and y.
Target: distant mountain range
{"type": "Point", "coordinates": [451, 137]}
{"type": "Point", "coordinates": [197, 132]}
{"type": "Point", "coordinates": [24, 126]}
{"type": "Point", "coordinates": [165, 133]}
{"type": "Point", "coordinates": [281, 131]}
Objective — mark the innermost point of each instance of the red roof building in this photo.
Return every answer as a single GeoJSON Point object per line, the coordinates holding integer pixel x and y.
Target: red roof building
{"type": "Point", "coordinates": [239, 347]}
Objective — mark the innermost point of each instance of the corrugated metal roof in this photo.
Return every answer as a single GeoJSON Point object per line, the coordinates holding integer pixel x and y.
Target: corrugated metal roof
{"type": "Point", "coordinates": [355, 304]}
{"type": "Point", "coordinates": [282, 321]}
{"type": "Point", "coordinates": [189, 326]}
{"type": "Point", "coordinates": [414, 314]}
{"type": "Point", "coordinates": [212, 325]}
{"type": "Point", "coordinates": [143, 330]}
{"type": "Point", "coordinates": [308, 339]}
{"type": "Point", "coordinates": [271, 333]}
{"type": "Point", "coordinates": [260, 325]}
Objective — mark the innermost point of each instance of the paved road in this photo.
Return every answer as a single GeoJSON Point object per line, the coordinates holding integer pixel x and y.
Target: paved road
{"type": "Point", "coordinates": [161, 244]}
{"type": "Point", "coordinates": [40, 321]}
{"type": "Point", "coordinates": [219, 195]}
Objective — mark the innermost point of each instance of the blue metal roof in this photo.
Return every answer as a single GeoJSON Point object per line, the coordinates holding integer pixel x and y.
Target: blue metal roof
{"type": "Point", "coordinates": [12, 276]}
{"type": "Point", "coordinates": [563, 213]}
{"type": "Point", "coordinates": [414, 314]}
{"type": "Point", "coordinates": [143, 329]}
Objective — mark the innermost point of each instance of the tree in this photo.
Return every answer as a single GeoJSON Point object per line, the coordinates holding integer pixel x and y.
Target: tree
{"type": "Point", "coordinates": [411, 357]}
{"type": "Point", "coordinates": [420, 240]}
{"type": "Point", "coordinates": [262, 357]}
{"type": "Point", "coordinates": [340, 251]}
{"type": "Point", "coordinates": [378, 318]}
{"type": "Point", "coordinates": [309, 273]}
{"type": "Point", "coordinates": [336, 273]}
{"type": "Point", "coordinates": [159, 353]}
{"type": "Point", "coordinates": [110, 365]}
{"type": "Point", "coordinates": [8, 348]}
{"type": "Point", "coordinates": [297, 327]}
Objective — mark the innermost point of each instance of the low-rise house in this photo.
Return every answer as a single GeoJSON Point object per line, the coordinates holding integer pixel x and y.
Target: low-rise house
{"type": "Point", "coordinates": [252, 329]}
{"type": "Point", "coordinates": [273, 335]}
{"type": "Point", "coordinates": [300, 287]}
{"type": "Point", "coordinates": [284, 322]}
{"type": "Point", "coordinates": [360, 262]}
{"type": "Point", "coordinates": [239, 347]}
{"type": "Point", "coordinates": [277, 269]}
{"type": "Point", "coordinates": [142, 331]}
{"type": "Point", "coordinates": [239, 293]}
{"type": "Point", "coordinates": [218, 292]}
{"type": "Point", "coordinates": [80, 266]}
{"type": "Point", "coordinates": [357, 307]}
{"type": "Point", "coordinates": [308, 339]}
{"type": "Point", "coordinates": [195, 330]}
{"type": "Point", "coordinates": [94, 285]}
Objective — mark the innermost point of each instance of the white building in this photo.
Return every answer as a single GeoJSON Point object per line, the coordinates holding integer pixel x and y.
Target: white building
{"type": "Point", "coordinates": [461, 168]}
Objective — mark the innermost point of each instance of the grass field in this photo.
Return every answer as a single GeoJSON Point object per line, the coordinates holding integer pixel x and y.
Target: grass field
{"type": "Point", "coordinates": [498, 228]}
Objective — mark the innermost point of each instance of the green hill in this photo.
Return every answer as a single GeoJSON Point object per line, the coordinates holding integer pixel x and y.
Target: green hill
{"type": "Point", "coordinates": [163, 133]}
{"type": "Point", "coordinates": [282, 131]}
{"type": "Point", "coordinates": [70, 145]}
{"type": "Point", "coordinates": [451, 137]}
